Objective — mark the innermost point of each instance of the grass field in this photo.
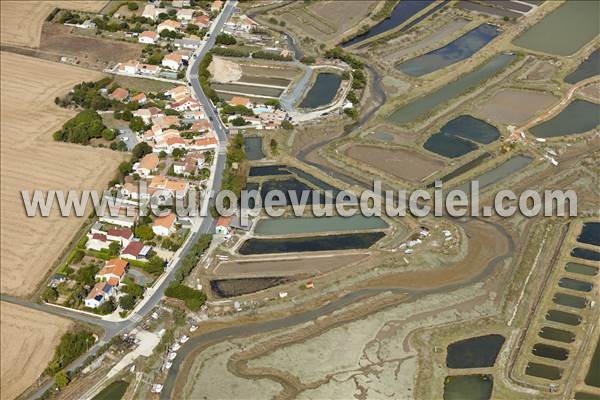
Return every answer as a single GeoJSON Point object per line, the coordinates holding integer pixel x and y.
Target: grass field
{"type": "Point", "coordinates": [31, 160]}
{"type": "Point", "coordinates": [28, 339]}
{"type": "Point", "coordinates": [21, 21]}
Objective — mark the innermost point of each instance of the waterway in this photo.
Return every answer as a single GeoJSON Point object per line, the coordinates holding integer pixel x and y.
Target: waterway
{"type": "Point", "coordinates": [565, 30]}
{"type": "Point", "coordinates": [457, 50]}
{"type": "Point", "coordinates": [323, 90]}
{"type": "Point", "coordinates": [424, 105]}
{"type": "Point", "coordinates": [578, 117]}
{"type": "Point", "coordinates": [345, 241]}
{"type": "Point", "coordinates": [476, 352]}
{"type": "Point", "coordinates": [403, 11]}
{"type": "Point", "coordinates": [286, 226]}
{"type": "Point", "coordinates": [588, 68]}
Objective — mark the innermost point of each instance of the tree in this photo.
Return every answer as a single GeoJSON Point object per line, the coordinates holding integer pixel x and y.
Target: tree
{"type": "Point", "coordinates": [61, 379]}
{"type": "Point", "coordinates": [132, 6]}
{"type": "Point", "coordinates": [114, 248]}
{"type": "Point", "coordinates": [225, 39]}
{"type": "Point", "coordinates": [140, 150]}
{"type": "Point", "coordinates": [287, 125]}
{"type": "Point", "coordinates": [137, 124]}
{"type": "Point", "coordinates": [273, 145]}
{"type": "Point", "coordinates": [144, 232]}
{"type": "Point", "coordinates": [155, 265]}
{"type": "Point", "coordinates": [50, 294]}
{"type": "Point", "coordinates": [81, 128]}
{"type": "Point", "coordinates": [107, 307]}
{"type": "Point", "coordinates": [108, 134]}
{"type": "Point", "coordinates": [272, 102]}
{"type": "Point", "coordinates": [239, 121]}
{"type": "Point", "coordinates": [127, 302]}
{"type": "Point", "coordinates": [124, 167]}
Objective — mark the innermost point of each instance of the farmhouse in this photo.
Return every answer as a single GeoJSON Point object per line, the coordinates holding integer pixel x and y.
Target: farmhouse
{"type": "Point", "coordinates": [113, 271]}
{"type": "Point", "coordinates": [164, 226]}
{"type": "Point", "coordinates": [98, 295]}
{"type": "Point", "coordinates": [148, 37]}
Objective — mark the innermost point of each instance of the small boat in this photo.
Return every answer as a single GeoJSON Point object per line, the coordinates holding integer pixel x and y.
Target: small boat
{"type": "Point", "coordinates": [167, 365]}
{"type": "Point", "coordinates": [184, 339]}
{"type": "Point", "coordinates": [175, 347]}
{"type": "Point", "coordinates": [171, 356]}
{"type": "Point", "coordinates": [193, 328]}
{"type": "Point", "coordinates": [156, 388]}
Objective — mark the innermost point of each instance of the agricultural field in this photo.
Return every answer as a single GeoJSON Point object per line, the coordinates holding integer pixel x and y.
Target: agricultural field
{"type": "Point", "coordinates": [28, 341]}
{"type": "Point", "coordinates": [29, 117]}
{"type": "Point", "coordinates": [15, 31]}
{"type": "Point", "coordinates": [400, 163]}
{"type": "Point", "coordinates": [514, 106]}
{"type": "Point", "coordinates": [323, 21]}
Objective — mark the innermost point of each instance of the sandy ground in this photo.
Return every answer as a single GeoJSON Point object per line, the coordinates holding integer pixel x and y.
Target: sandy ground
{"type": "Point", "coordinates": [224, 71]}
{"type": "Point", "coordinates": [28, 341]}
{"type": "Point", "coordinates": [285, 267]}
{"type": "Point", "coordinates": [21, 21]}
{"type": "Point", "coordinates": [30, 159]}
{"type": "Point", "coordinates": [514, 106]}
{"type": "Point", "coordinates": [400, 163]}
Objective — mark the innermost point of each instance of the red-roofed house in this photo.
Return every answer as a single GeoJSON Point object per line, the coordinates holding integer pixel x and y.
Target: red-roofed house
{"type": "Point", "coordinates": [113, 271]}
{"type": "Point", "coordinates": [164, 226]}
{"type": "Point", "coordinates": [147, 164]}
{"type": "Point", "coordinates": [240, 101]}
{"type": "Point", "coordinates": [148, 37]}
{"type": "Point", "coordinates": [97, 241]}
{"type": "Point", "coordinates": [223, 225]}
{"type": "Point", "coordinates": [140, 98]}
{"type": "Point", "coordinates": [201, 20]}
{"type": "Point", "coordinates": [121, 235]}
{"type": "Point", "coordinates": [133, 251]}
{"type": "Point", "coordinates": [169, 25]}
{"type": "Point", "coordinates": [119, 94]}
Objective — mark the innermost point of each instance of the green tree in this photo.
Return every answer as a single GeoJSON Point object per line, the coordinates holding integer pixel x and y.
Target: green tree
{"type": "Point", "coordinates": [144, 232]}
{"type": "Point", "coordinates": [114, 248]}
{"type": "Point", "coordinates": [50, 294]}
{"type": "Point", "coordinates": [127, 302]}
{"type": "Point", "coordinates": [61, 379]}
{"type": "Point", "coordinates": [137, 124]}
{"type": "Point", "coordinates": [287, 125]}
{"type": "Point", "coordinates": [125, 167]}
{"type": "Point", "coordinates": [108, 134]}
{"type": "Point", "coordinates": [132, 6]}
{"type": "Point", "coordinates": [155, 265]}
{"type": "Point", "coordinates": [140, 150]}
{"type": "Point", "coordinates": [225, 39]}
{"type": "Point", "coordinates": [239, 121]}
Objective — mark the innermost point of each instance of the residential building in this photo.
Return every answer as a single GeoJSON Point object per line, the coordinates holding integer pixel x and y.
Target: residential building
{"type": "Point", "coordinates": [129, 67]}
{"type": "Point", "coordinates": [170, 25]}
{"type": "Point", "coordinates": [126, 217]}
{"type": "Point", "coordinates": [98, 295]}
{"type": "Point", "coordinates": [121, 235]}
{"type": "Point", "coordinates": [152, 12]}
{"type": "Point", "coordinates": [201, 20]}
{"type": "Point", "coordinates": [135, 251]}
{"type": "Point", "coordinates": [113, 271]}
{"type": "Point", "coordinates": [119, 94]}
{"type": "Point", "coordinates": [97, 241]}
{"type": "Point", "coordinates": [148, 37]}
{"type": "Point", "coordinates": [178, 93]}
{"type": "Point", "coordinates": [216, 6]}
{"type": "Point", "coordinates": [240, 101]}
{"type": "Point", "coordinates": [202, 125]}
{"type": "Point", "coordinates": [187, 104]}
{"type": "Point", "coordinates": [132, 191]}
{"type": "Point", "coordinates": [223, 225]}
{"type": "Point", "coordinates": [192, 44]}
{"type": "Point", "coordinates": [140, 98]}
{"type": "Point", "coordinates": [190, 165]}
{"type": "Point", "coordinates": [147, 165]}
{"type": "Point", "coordinates": [207, 142]}
{"type": "Point", "coordinates": [179, 189]}
{"type": "Point", "coordinates": [240, 23]}
{"type": "Point", "coordinates": [172, 61]}
{"type": "Point", "coordinates": [164, 226]}
{"type": "Point", "coordinates": [185, 14]}
{"type": "Point", "coordinates": [148, 69]}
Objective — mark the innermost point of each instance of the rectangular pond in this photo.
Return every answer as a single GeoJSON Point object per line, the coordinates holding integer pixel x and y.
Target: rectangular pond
{"type": "Point", "coordinates": [578, 117]}
{"type": "Point", "coordinates": [322, 91]}
{"type": "Point", "coordinates": [588, 68]}
{"type": "Point", "coordinates": [311, 243]}
{"type": "Point", "coordinates": [472, 387]}
{"type": "Point", "coordinates": [575, 284]}
{"type": "Point", "coordinates": [401, 13]}
{"type": "Point", "coordinates": [286, 226]}
{"type": "Point", "coordinates": [424, 105]}
{"type": "Point", "coordinates": [593, 376]}
{"type": "Point", "coordinates": [462, 169]}
{"type": "Point", "coordinates": [268, 170]}
{"type": "Point", "coordinates": [548, 351]}
{"type": "Point", "coordinates": [494, 175]}
{"type": "Point", "coordinates": [456, 137]}
{"type": "Point", "coordinates": [457, 50]}
{"type": "Point", "coordinates": [581, 269]}
{"type": "Point", "coordinates": [565, 30]}
{"type": "Point", "coordinates": [586, 254]}
{"type": "Point", "coordinates": [253, 148]}
{"type": "Point", "coordinates": [568, 300]}
{"type": "Point", "coordinates": [543, 371]}
{"type": "Point", "coordinates": [590, 233]}
{"type": "Point", "coordinates": [557, 335]}
{"type": "Point", "coordinates": [476, 352]}
{"type": "Point", "coordinates": [563, 317]}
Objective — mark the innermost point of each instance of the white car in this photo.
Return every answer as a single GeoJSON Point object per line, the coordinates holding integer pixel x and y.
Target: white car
{"type": "Point", "coordinates": [124, 138]}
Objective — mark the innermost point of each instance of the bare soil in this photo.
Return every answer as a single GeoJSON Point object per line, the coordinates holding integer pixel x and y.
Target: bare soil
{"type": "Point", "coordinates": [514, 106]}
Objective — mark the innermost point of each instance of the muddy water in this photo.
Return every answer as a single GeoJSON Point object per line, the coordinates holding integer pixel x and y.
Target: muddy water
{"type": "Point", "coordinates": [579, 116]}
{"type": "Point", "coordinates": [548, 351]}
{"type": "Point", "coordinates": [575, 284]}
{"type": "Point", "coordinates": [238, 287]}
{"type": "Point", "coordinates": [472, 387]}
{"type": "Point", "coordinates": [459, 49]}
{"type": "Point", "coordinates": [543, 371]}
{"type": "Point", "coordinates": [581, 269]}
{"type": "Point", "coordinates": [424, 105]}
{"type": "Point", "coordinates": [323, 90]}
{"type": "Point", "coordinates": [492, 176]}
{"type": "Point", "coordinates": [588, 68]}
{"type": "Point", "coordinates": [311, 243]}
{"type": "Point", "coordinates": [565, 30]}
{"type": "Point", "coordinates": [563, 317]}
{"type": "Point", "coordinates": [558, 335]}
{"type": "Point", "coordinates": [253, 148]}
{"type": "Point", "coordinates": [568, 300]}
{"type": "Point", "coordinates": [114, 391]}
{"type": "Point", "coordinates": [462, 169]}
{"type": "Point", "coordinates": [593, 376]}
{"type": "Point", "coordinates": [285, 226]}
{"type": "Point", "coordinates": [476, 352]}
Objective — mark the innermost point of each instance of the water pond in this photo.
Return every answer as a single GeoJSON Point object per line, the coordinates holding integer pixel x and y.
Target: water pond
{"type": "Point", "coordinates": [585, 254]}
{"type": "Point", "coordinates": [285, 226]}
{"type": "Point", "coordinates": [268, 170]}
{"type": "Point", "coordinates": [476, 352]}
{"type": "Point", "coordinates": [575, 284]}
{"type": "Point", "coordinates": [462, 169]}
{"type": "Point", "coordinates": [403, 11]}
{"type": "Point", "coordinates": [581, 269]}
{"type": "Point", "coordinates": [593, 376]}
{"type": "Point", "coordinates": [311, 243]}
{"type": "Point", "coordinates": [253, 148]}
{"type": "Point", "coordinates": [450, 141]}
{"type": "Point", "coordinates": [543, 371]}
{"type": "Point", "coordinates": [238, 287]}
{"type": "Point", "coordinates": [563, 317]}
{"type": "Point", "coordinates": [588, 68]}
{"type": "Point", "coordinates": [424, 105]}
{"type": "Point", "coordinates": [494, 175]}
{"type": "Point", "coordinates": [323, 90]}
{"type": "Point", "coordinates": [472, 387]}
{"type": "Point", "coordinates": [114, 391]}
{"type": "Point", "coordinates": [568, 300]}
{"type": "Point", "coordinates": [586, 396]}
{"type": "Point", "coordinates": [459, 49]}
{"type": "Point", "coordinates": [579, 116]}
{"type": "Point", "coordinates": [548, 351]}
{"type": "Point", "coordinates": [565, 30]}
{"type": "Point", "coordinates": [590, 233]}
{"type": "Point", "coordinates": [558, 335]}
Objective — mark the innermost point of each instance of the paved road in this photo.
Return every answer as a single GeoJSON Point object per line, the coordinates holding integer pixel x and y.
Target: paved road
{"type": "Point", "coordinates": [132, 138]}
{"type": "Point", "coordinates": [206, 224]}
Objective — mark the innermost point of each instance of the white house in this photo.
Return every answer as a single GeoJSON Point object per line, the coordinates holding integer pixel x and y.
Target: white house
{"type": "Point", "coordinates": [172, 61]}
{"type": "Point", "coordinates": [148, 37]}
{"type": "Point", "coordinates": [98, 295]}
{"type": "Point", "coordinates": [129, 67]}
{"type": "Point", "coordinates": [164, 226]}
{"type": "Point", "coordinates": [169, 25]}
{"type": "Point", "coordinates": [97, 241]}
{"type": "Point", "coordinates": [185, 14]}
{"type": "Point", "coordinates": [113, 271]}
{"type": "Point", "coordinates": [147, 165]}
{"type": "Point", "coordinates": [223, 225]}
